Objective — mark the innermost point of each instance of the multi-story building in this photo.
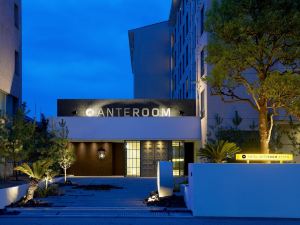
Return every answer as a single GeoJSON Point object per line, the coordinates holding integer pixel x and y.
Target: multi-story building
{"type": "Point", "coordinates": [10, 56]}
{"type": "Point", "coordinates": [150, 61]}
{"type": "Point", "coordinates": [187, 66]}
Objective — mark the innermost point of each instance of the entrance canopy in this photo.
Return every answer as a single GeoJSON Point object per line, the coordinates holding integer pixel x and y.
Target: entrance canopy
{"type": "Point", "coordinates": [132, 128]}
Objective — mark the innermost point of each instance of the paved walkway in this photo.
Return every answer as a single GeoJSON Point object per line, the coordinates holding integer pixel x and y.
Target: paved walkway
{"type": "Point", "coordinates": [134, 191]}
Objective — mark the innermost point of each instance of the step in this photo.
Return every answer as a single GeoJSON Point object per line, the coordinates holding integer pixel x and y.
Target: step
{"type": "Point", "coordinates": [100, 212]}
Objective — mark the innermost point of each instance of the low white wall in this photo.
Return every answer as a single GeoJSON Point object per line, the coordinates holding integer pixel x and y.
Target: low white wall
{"type": "Point", "coordinates": [244, 190]}
{"type": "Point", "coordinates": [14, 194]}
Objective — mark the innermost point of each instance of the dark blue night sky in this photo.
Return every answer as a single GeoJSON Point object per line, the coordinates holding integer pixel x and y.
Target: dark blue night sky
{"type": "Point", "coordinates": [79, 48]}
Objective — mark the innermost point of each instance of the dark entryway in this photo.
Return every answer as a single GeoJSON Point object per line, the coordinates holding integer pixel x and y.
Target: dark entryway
{"type": "Point", "coordinates": [188, 156]}
{"type": "Point", "coordinates": [88, 162]}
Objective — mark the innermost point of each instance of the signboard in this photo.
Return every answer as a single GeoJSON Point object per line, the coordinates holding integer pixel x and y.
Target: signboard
{"type": "Point", "coordinates": [264, 157]}
{"type": "Point", "coordinates": [126, 108]}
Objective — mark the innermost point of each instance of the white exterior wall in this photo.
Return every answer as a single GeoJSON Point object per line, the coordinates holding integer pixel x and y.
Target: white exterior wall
{"type": "Point", "coordinates": [244, 190]}
{"type": "Point", "coordinates": [10, 41]}
{"type": "Point", "coordinates": [130, 128]}
{"type": "Point", "coordinates": [13, 194]}
{"type": "Point", "coordinates": [150, 61]}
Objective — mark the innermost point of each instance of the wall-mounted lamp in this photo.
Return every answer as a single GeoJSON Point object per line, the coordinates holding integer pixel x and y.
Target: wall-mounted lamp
{"type": "Point", "coordinates": [101, 153]}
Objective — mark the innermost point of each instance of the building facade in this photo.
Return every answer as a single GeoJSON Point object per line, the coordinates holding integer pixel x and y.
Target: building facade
{"type": "Point", "coordinates": [10, 56]}
{"type": "Point", "coordinates": [187, 67]}
{"type": "Point", "coordinates": [150, 61]}
{"type": "Point", "coordinates": [129, 137]}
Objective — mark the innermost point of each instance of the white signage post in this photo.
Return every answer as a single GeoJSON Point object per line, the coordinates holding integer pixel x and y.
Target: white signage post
{"type": "Point", "coordinates": [165, 183]}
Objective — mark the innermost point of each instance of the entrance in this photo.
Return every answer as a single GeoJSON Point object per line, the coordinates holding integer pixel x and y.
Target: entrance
{"type": "Point", "coordinates": [88, 162]}
{"type": "Point", "coordinates": [151, 153]}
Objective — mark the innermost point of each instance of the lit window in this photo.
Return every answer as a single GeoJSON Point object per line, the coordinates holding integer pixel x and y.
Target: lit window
{"type": "Point", "coordinates": [133, 158]}
{"type": "Point", "coordinates": [178, 158]}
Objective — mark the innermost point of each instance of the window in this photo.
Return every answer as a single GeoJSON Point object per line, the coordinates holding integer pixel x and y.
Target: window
{"type": "Point", "coordinates": [202, 104]}
{"type": "Point", "coordinates": [175, 57]}
{"type": "Point", "coordinates": [180, 72]}
{"type": "Point", "coordinates": [202, 21]}
{"type": "Point", "coordinates": [186, 88]}
{"type": "Point", "coordinates": [16, 16]}
{"type": "Point", "coordinates": [180, 43]}
{"type": "Point", "coordinates": [17, 63]}
{"type": "Point", "coordinates": [175, 81]}
{"type": "Point", "coordinates": [178, 158]}
{"type": "Point", "coordinates": [133, 158]}
{"type": "Point", "coordinates": [187, 55]}
{"type": "Point", "coordinates": [175, 35]}
{"type": "Point", "coordinates": [202, 63]}
{"type": "Point", "coordinates": [187, 23]}
{"type": "Point", "coordinates": [183, 63]}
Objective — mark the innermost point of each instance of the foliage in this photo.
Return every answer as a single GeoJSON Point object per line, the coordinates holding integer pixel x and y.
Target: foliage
{"type": "Point", "coordinates": [255, 50]}
{"type": "Point", "coordinates": [65, 152]}
{"type": "Point", "coordinates": [52, 190]}
{"type": "Point", "coordinates": [36, 173]}
{"type": "Point", "coordinates": [18, 136]}
{"type": "Point", "coordinates": [44, 144]}
{"type": "Point", "coordinates": [219, 152]}
{"type": "Point", "coordinates": [3, 144]}
{"type": "Point", "coordinates": [290, 132]}
{"type": "Point", "coordinates": [236, 120]}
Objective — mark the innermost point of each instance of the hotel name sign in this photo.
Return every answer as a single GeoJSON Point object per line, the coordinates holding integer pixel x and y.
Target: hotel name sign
{"type": "Point", "coordinates": [126, 108]}
{"type": "Point", "coordinates": [264, 157]}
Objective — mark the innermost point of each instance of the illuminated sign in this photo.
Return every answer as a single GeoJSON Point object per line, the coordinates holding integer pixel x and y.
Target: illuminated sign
{"type": "Point", "coordinates": [125, 108]}
{"type": "Point", "coordinates": [265, 157]}
{"type": "Point", "coordinates": [124, 112]}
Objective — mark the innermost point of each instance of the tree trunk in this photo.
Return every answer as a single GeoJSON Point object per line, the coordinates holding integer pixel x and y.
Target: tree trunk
{"type": "Point", "coordinates": [65, 170]}
{"type": "Point", "coordinates": [33, 185]}
{"type": "Point", "coordinates": [264, 130]}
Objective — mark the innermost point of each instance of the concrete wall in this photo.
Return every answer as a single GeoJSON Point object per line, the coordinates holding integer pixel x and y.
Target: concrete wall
{"type": "Point", "coordinates": [244, 190]}
{"type": "Point", "coordinates": [131, 128]}
{"type": "Point", "coordinates": [10, 41]}
{"type": "Point", "coordinates": [14, 194]}
{"type": "Point", "coordinates": [150, 60]}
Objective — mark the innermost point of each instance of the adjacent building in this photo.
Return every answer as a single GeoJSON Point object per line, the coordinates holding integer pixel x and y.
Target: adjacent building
{"type": "Point", "coordinates": [187, 67]}
{"type": "Point", "coordinates": [10, 56]}
{"type": "Point", "coordinates": [150, 61]}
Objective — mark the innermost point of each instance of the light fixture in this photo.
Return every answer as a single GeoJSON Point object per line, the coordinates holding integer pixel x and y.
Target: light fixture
{"type": "Point", "coordinates": [101, 153]}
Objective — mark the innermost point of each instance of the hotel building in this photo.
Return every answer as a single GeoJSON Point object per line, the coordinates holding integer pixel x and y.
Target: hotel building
{"type": "Point", "coordinates": [10, 56]}
{"type": "Point", "coordinates": [129, 137]}
{"type": "Point", "coordinates": [173, 112]}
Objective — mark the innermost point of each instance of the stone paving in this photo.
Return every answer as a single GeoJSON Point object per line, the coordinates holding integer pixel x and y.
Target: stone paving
{"type": "Point", "coordinates": [132, 195]}
{"type": "Point", "coordinates": [117, 207]}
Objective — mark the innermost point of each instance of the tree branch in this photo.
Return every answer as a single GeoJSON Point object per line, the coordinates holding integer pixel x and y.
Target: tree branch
{"type": "Point", "coordinates": [231, 94]}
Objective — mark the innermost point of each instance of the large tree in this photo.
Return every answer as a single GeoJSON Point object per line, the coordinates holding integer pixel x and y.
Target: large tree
{"type": "Point", "coordinates": [254, 48]}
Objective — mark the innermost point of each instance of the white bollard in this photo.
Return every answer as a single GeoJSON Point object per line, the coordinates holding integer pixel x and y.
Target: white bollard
{"type": "Point", "coordinates": [165, 183]}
